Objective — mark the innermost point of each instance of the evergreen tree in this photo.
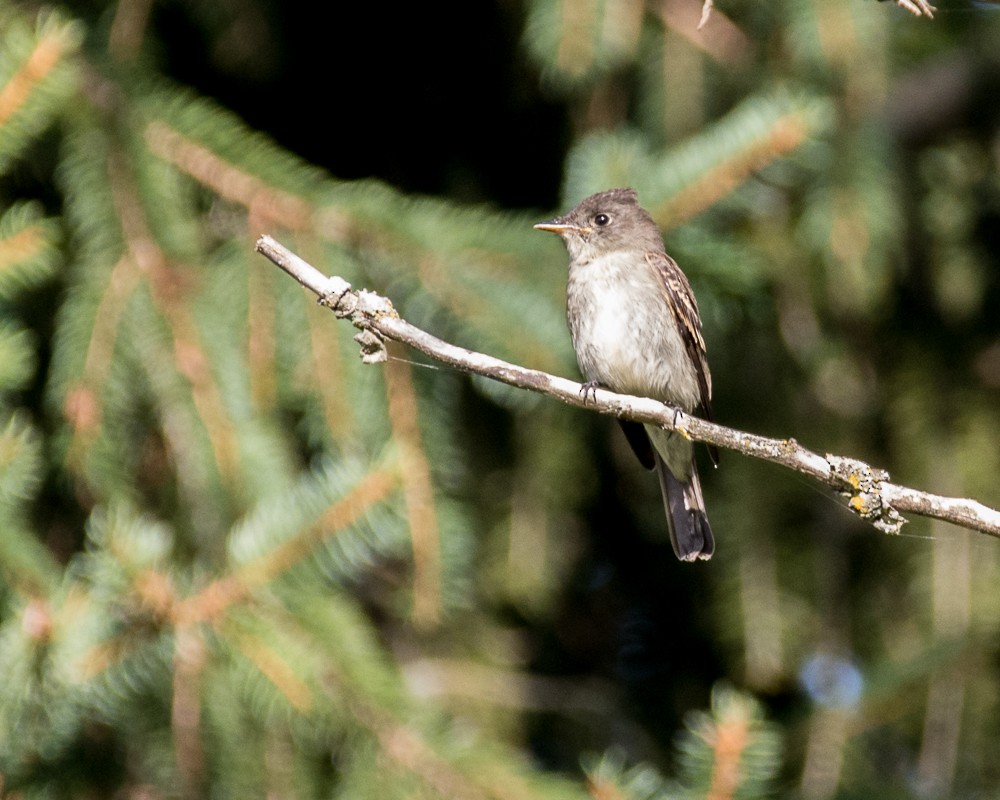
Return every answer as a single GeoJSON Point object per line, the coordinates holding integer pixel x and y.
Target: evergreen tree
{"type": "Point", "coordinates": [236, 561]}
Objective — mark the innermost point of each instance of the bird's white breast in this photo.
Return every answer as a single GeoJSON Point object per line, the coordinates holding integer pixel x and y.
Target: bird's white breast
{"type": "Point", "coordinates": [624, 332]}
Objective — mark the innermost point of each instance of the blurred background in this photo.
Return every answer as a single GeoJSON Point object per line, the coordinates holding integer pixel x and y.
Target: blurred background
{"type": "Point", "coordinates": [236, 562]}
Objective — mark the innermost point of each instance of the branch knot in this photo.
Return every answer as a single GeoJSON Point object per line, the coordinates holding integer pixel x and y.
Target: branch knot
{"type": "Point", "coordinates": [339, 298]}
{"type": "Point", "coordinates": [862, 483]}
{"type": "Point", "coordinates": [362, 308]}
{"type": "Point", "coordinates": [373, 349]}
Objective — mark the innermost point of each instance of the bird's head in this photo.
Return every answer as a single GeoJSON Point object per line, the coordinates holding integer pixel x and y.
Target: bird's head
{"type": "Point", "coordinates": [606, 222]}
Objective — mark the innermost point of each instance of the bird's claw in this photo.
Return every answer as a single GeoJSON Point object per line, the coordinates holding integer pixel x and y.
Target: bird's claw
{"type": "Point", "coordinates": [589, 391]}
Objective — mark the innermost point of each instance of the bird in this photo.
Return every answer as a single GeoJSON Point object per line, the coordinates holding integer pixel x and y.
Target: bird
{"type": "Point", "coordinates": [636, 329]}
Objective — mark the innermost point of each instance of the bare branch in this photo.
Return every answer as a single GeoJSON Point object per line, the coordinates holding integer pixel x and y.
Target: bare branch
{"type": "Point", "coordinates": [706, 12]}
{"type": "Point", "coordinates": [920, 8]}
{"type": "Point", "coordinates": [870, 493]}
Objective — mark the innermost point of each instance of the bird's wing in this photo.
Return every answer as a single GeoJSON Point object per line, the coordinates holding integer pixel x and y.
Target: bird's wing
{"type": "Point", "coordinates": [680, 298]}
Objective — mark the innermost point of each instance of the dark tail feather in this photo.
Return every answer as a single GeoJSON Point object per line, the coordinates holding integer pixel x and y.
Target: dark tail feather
{"type": "Point", "coordinates": [638, 439]}
{"type": "Point", "coordinates": [690, 533]}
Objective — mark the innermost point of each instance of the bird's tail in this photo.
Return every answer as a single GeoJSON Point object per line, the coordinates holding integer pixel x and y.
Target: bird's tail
{"type": "Point", "coordinates": [690, 533]}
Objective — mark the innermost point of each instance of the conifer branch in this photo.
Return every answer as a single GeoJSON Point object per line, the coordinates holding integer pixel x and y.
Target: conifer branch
{"type": "Point", "coordinates": [418, 494]}
{"type": "Point", "coordinates": [273, 665]}
{"type": "Point", "coordinates": [223, 593]}
{"type": "Point", "coordinates": [185, 710]}
{"type": "Point", "coordinates": [228, 180]}
{"type": "Point", "coordinates": [128, 28]}
{"type": "Point", "coordinates": [410, 750]}
{"type": "Point", "coordinates": [785, 134]}
{"type": "Point", "coordinates": [728, 739]}
{"type": "Point", "coordinates": [21, 246]}
{"type": "Point", "coordinates": [82, 406]}
{"type": "Point", "coordinates": [870, 493]}
{"type": "Point", "coordinates": [50, 50]}
{"type": "Point", "coordinates": [144, 253]}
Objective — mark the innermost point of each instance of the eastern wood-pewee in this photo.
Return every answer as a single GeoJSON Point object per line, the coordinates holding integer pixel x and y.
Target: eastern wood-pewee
{"type": "Point", "coordinates": [636, 330]}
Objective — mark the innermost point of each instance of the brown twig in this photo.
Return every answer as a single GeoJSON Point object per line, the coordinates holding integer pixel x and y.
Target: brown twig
{"type": "Point", "coordinates": [870, 493]}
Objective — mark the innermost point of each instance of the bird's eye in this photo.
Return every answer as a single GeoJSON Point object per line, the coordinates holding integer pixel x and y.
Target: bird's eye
{"type": "Point", "coordinates": [601, 220]}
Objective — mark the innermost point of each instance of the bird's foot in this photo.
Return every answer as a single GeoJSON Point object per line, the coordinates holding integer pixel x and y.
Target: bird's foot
{"type": "Point", "coordinates": [589, 390]}
{"type": "Point", "coordinates": [676, 426]}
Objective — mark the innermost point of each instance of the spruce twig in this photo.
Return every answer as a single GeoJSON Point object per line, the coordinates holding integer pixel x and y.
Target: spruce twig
{"type": "Point", "coordinates": [871, 494]}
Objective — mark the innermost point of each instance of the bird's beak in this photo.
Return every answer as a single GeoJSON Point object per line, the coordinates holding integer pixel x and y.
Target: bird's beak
{"type": "Point", "coordinates": [556, 226]}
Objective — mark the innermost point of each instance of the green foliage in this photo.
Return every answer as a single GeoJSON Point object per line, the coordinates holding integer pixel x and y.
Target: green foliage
{"type": "Point", "coordinates": [235, 561]}
{"type": "Point", "coordinates": [687, 178]}
{"type": "Point", "coordinates": [579, 44]}
{"type": "Point", "coordinates": [26, 563]}
{"type": "Point", "coordinates": [730, 751]}
{"type": "Point", "coordinates": [28, 249]}
{"type": "Point", "coordinates": [733, 752]}
{"type": "Point", "coordinates": [17, 358]}
{"type": "Point", "coordinates": [611, 776]}
{"type": "Point", "coordinates": [39, 77]}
